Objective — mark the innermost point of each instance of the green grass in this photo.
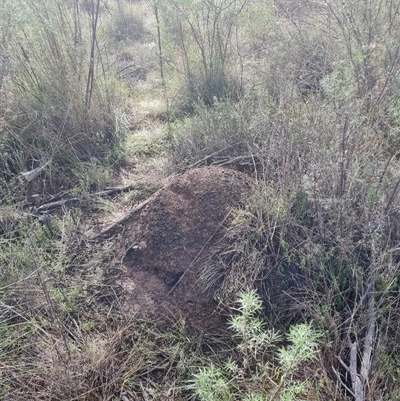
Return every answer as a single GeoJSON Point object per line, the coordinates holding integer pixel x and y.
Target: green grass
{"type": "Point", "coordinates": [303, 97]}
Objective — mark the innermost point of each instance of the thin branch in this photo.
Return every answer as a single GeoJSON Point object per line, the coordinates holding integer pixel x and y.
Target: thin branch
{"type": "Point", "coordinates": [341, 381]}
{"type": "Point", "coordinates": [201, 250]}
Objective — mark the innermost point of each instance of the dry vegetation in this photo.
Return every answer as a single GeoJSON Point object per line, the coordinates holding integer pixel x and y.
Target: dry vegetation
{"type": "Point", "coordinates": [303, 96]}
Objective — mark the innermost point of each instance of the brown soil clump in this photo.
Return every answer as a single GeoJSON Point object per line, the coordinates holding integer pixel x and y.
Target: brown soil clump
{"type": "Point", "coordinates": [164, 241]}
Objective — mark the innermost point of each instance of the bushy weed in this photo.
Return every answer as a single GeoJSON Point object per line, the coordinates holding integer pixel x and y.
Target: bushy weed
{"type": "Point", "coordinates": [61, 94]}
{"type": "Point", "coordinates": [262, 368]}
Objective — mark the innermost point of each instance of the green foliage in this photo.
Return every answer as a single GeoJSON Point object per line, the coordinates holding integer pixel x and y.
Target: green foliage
{"type": "Point", "coordinates": [303, 96]}
{"type": "Point", "coordinates": [211, 384]}
{"type": "Point", "coordinates": [387, 367]}
{"type": "Point", "coordinates": [222, 129]}
{"type": "Point", "coordinates": [127, 23]}
{"type": "Point", "coordinates": [141, 146]}
{"type": "Point", "coordinates": [259, 359]}
{"type": "Point", "coordinates": [304, 343]}
{"type": "Point", "coordinates": [292, 393]}
{"type": "Point", "coordinates": [92, 175]}
{"type": "Point", "coordinates": [250, 329]}
{"type": "Point", "coordinates": [25, 245]}
{"type": "Point", "coordinates": [247, 256]}
{"type": "Point", "coordinates": [61, 105]}
{"type": "Point", "coordinates": [202, 45]}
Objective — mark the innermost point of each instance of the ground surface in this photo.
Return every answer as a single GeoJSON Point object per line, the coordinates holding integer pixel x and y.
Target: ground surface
{"type": "Point", "coordinates": [163, 243]}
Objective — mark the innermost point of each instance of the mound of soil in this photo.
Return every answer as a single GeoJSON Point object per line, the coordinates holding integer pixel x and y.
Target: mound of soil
{"type": "Point", "coordinates": [173, 231]}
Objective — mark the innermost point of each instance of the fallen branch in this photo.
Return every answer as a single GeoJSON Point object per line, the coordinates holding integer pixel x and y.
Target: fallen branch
{"type": "Point", "coordinates": [54, 205]}
{"type": "Point", "coordinates": [60, 201]}
{"type": "Point", "coordinates": [212, 155]}
{"type": "Point", "coordinates": [110, 229]}
{"type": "Point", "coordinates": [32, 174]}
{"type": "Point", "coordinates": [233, 160]}
{"type": "Point", "coordinates": [111, 191]}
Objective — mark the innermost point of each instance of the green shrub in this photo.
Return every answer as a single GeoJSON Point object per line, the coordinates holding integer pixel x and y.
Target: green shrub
{"type": "Point", "coordinates": [262, 370]}
{"type": "Point", "coordinates": [222, 129]}
{"type": "Point", "coordinates": [211, 384]}
{"type": "Point", "coordinates": [61, 96]}
{"type": "Point", "coordinates": [201, 46]}
{"type": "Point", "coordinates": [127, 23]}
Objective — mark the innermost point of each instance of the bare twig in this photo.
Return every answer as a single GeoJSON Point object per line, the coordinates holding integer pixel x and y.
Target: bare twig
{"type": "Point", "coordinates": [201, 250]}
{"type": "Point", "coordinates": [109, 230]}
{"type": "Point", "coordinates": [95, 10]}
{"type": "Point", "coordinates": [3, 64]}
{"type": "Point", "coordinates": [32, 174]}
{"type": "Point", "coordinates": [213, 154]}
{"type": "Point", "coordinates": [161, 61]}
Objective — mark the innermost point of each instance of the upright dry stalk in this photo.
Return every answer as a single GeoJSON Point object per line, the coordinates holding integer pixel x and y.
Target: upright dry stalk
{"type": "Point", "coordinates": [161, 61]}
{"type": "Point", "coordinates": [202, 33]}
{"type": "Point", "coordinates": [3, 64]}
{"type": "Point", "coordinates": [90, 79]}
{"type": "Point", "coordinates": [361, 350]}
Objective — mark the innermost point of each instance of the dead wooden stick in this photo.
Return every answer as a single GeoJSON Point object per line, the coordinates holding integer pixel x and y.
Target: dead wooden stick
{"type": "Point", "coordinates": [201, 251]}
{"type": "Point", "coordinates": [53, 205]}
{"type": "Point", "coordinates": [32, 174]}
{"type": "Point", "coordinates": [112, 191]}
{"type": "Point", "coordinates": [59, 201]}
{"type": "Point", "coordinates": [106, 232]}
{"type": "Point", "coordinates": [212, 155]}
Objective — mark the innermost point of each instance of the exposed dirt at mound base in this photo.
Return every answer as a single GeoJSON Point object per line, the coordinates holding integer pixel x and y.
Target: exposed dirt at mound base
{"type": "Point", "coordinates": [165, 239]}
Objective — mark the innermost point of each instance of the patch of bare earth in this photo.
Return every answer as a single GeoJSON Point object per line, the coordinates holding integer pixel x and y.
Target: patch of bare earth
{"type": "Point", "coordinates": [163, 242]}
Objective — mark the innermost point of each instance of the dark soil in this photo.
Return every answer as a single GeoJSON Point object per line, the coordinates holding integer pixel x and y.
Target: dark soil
{"type": "Point", "coordinates": [163, 242]}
